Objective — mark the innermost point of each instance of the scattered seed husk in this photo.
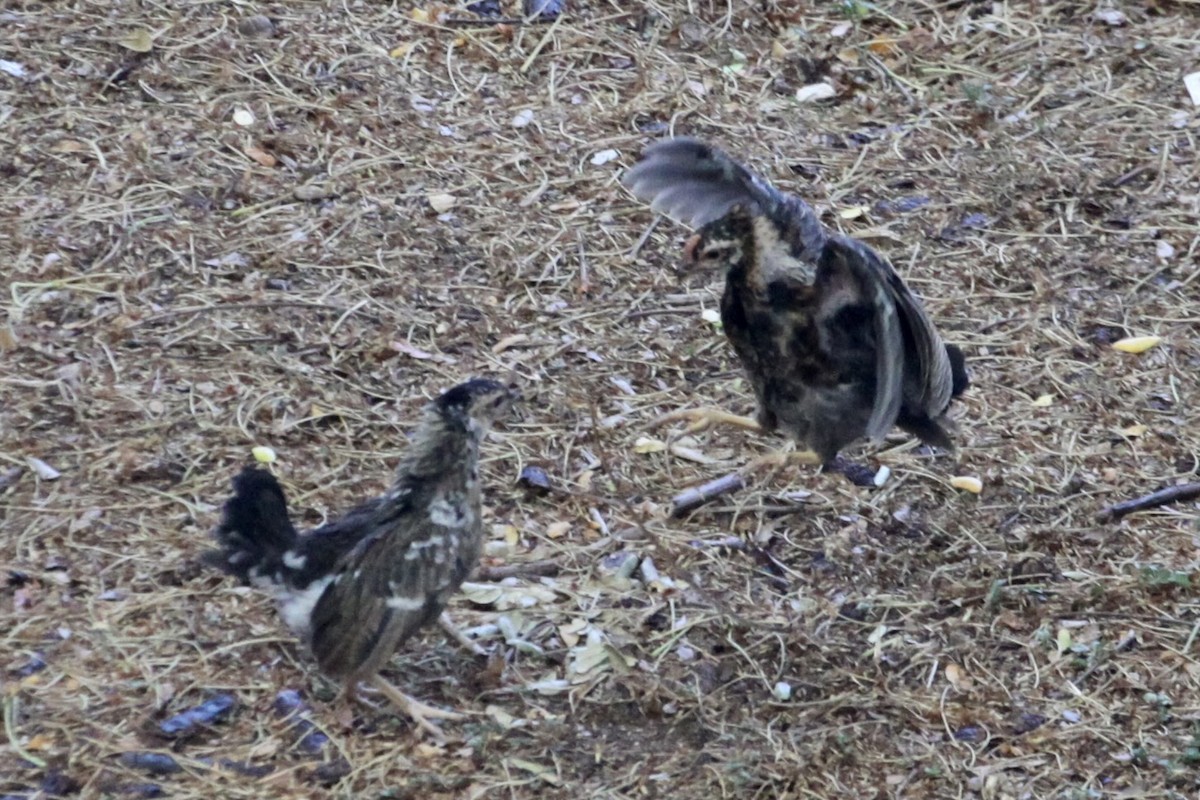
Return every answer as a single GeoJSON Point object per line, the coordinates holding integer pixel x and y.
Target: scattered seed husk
{"type": "Point", "coordinates": [263, 454]}
{"type": "Point", "coordinates": [1136, 344]}
{"type": "Point", "coordinates": [967, 483]}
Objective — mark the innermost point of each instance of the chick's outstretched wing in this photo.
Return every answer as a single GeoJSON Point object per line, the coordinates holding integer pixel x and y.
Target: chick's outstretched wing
{"type": "Point", "coordinates": [912, 373]}
{"type": "Point", "coordinates": [857, 304]}
{"type": "Point", "coordinates": [695, 183]}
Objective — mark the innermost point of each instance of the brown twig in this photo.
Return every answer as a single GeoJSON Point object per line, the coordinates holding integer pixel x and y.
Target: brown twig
{"type": "Point", "coordinates": [1172, 494]}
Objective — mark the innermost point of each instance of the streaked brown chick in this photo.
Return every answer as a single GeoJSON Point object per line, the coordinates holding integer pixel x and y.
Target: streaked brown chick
{"type": "Point", "coordinates": [835, 345]}
{"type": "Point", "coordinates": [356, 588]}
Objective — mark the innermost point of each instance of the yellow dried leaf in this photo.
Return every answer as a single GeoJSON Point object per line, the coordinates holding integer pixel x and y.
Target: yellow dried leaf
{"type": "Point", "coordinates": [1136, 344]}
{"type": "Point", "coordinates": [645, 444]}
{"type": "Point", "coordinates": [1043, 400]}
{"type": "Point", "coordinates": [138, 40]}
{"type": "Point", "coordinates": [853, 212]}
{"type": "Point", "coordinates": [421, 15]}
{"type": "Point", "coordinates": [1133, 431]}
{"type": "Point", "coordinates": [967, 483]}
{"type": "Point", "coordinates": [401, 50]}
{"type": "Point", "coordinates": [883, 47]}
{"type": "Point", "coordinates": [556, 530]}
{"type": "Point", "coordinates": [1064, 640]}
{"type": "Point", "coordinates": [263, 454]}
{"type": "Point", "coordinates": [40, 741]}
{"type": "Point", "coordinates": [512, 536]}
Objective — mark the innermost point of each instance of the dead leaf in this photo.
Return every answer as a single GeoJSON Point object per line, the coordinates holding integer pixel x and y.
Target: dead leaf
{"type": "Point", "coordinates": [883, 47]}
{"type": "Point", "coordinates": [645, 444]}
{"type": "Point", "coordinates": [509, 341]}
{"type": "Point", "coordinates": [604, 156]}
{"type": "Point", "coordinates": [442, 202]}
{"type": "Point", "coordinates": [261, 156]}
{"type": "Point", "coordinates": [421, 355]}
{"type": "Point", "coordinates": [43, 470]}
{"type": "Point", "coordinates": [138, 40]}
{"type": "Point", "coordinates": [814, 92]}
{"type": "Point", "coordinates": [69, 146]}
{"type": "Point", "coordinates": [12, 68]}
{"type": "Point", "coordinates": [8, 338]}
{"type": "Point", "coordinates": [1192, 83]}
{"type": "Point", "coordinates": [958, 677]}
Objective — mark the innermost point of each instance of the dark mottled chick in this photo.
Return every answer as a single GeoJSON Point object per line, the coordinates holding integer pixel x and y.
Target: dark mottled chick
{"type": "Point", "coordinates": [833, 342]}
{"type": "Point", "coordinates": [355, 588]}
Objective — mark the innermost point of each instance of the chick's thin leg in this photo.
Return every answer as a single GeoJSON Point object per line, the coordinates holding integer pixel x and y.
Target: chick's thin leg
{"type": "Point", "coordinates": [419, 712]}
{"type": "Point", "coordinates": [456, 633]}
{"type": "Point", "coordinates": [343, 709]}
{"type": "Point", "coordinates": [704, 418]}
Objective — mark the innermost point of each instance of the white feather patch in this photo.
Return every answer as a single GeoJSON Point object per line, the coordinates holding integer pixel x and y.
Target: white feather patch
{"type": "Point", "coordinates": [398, 603]}
{"type": "Point", "coordinates": [448, 514]}
{"type": "Point", "coordinates": [294, 560]}
{"type": "Point", "coordinates": [296, 605]}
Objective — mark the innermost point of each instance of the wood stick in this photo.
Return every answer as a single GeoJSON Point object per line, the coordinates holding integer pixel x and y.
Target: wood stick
{"type": "Point", "coordinates": [531, 569]}
{"type": "Point", "coordinates": [697, 496]}
{"type": "Point", "coordinates": [1172, 494]}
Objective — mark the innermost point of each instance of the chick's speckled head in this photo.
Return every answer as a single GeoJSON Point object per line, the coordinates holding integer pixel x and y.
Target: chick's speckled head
{"type": "Point", "coordinates": [479, 400]}
{"type": "Point", "coordinates": [721, 243]}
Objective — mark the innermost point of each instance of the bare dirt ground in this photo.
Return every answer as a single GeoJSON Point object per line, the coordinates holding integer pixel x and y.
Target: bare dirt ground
{"type": "Point", "coordinates": [293, 232]}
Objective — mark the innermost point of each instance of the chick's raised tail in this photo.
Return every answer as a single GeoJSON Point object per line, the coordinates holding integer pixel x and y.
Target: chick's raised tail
{"type": "Point", "coordinates": [255, 534]}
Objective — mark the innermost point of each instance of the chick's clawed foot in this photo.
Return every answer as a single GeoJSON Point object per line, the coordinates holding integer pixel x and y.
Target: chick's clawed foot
{"type": "Point", "coordinates": [420, 713]}
{"type": "Point", "coordinates": [781, 458]}
{"type": "Point", "coordinates": [704, 418]}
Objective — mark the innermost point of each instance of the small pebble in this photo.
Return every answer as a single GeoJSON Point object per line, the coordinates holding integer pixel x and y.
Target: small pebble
{"type": "Point", "coordinates": [208, 712]}
{"type": "Point", "coordinates": [153, 763]}
{"type": "Point", "coordinates": [256, 25]}
{"type": "Point", "coordinates": [544, 9]}
{"type": "Point", "coordinates": [622, 563]}
{"type": "Point", "coordinates": [535, 478]}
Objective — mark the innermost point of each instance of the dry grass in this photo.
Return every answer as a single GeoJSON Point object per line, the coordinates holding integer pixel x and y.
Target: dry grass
{"type": "Point", "coordinates": [181, 287]}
